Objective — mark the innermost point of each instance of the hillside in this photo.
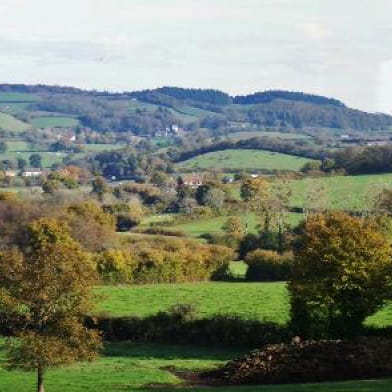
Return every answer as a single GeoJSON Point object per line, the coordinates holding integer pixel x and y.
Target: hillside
{"type": "Point", "coordinates": [151, 111]}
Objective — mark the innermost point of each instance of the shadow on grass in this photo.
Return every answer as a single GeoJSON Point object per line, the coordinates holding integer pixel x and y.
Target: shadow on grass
{"type": "Point", "coordinates": [162, 351]}
{"type": "Point", "coordinates": [384, 385]}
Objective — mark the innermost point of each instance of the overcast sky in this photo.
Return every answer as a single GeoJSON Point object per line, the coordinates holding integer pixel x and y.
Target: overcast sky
{"type": "Point", "coordinates": [339, 48]}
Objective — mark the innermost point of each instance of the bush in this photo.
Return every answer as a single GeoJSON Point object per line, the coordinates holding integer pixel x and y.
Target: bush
{"type": "Point", "coordinates": [179, 325]}
{"type": "Point", "coordinates": [342, 273]}
{"type": "Point", "coordinates": [163, 260]}
{"type": "Point", "coordinates": [267, 266]}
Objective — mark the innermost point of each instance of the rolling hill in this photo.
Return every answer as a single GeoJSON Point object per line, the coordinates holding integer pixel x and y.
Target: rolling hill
{"type": "Point", "coordinates": [145, 112]}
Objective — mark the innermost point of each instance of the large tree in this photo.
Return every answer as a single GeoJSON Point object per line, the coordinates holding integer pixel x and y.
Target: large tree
{"type": "Point", "coordinates": [342, 273]}
{"type": "Point", "coordinates": [44, 295]}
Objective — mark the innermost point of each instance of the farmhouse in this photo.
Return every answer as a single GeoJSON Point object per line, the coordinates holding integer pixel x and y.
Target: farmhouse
{"type": "Point", "coordinates": [32, 172]}
{"type": "Point", "coordinates": [10, 173]}
{"type": "Point", "coordinates": [193, 181]}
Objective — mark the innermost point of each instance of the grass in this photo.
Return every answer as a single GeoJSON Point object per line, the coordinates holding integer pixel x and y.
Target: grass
{"type": "Point", "coordinates": [262, 301]}
{"type": "Point", "coordinates": [54, 121]}
{"type": "Point", "coordinates": [135, 367]}
{"type": "Point", "coordinates": [358, 191]}
{"type": "Point", "coordinates": [12, 124]}
{"type": "Point", "coordinates": [282, 135]}
{"type": "Point", "coordinates": [14, 107]}
{"type": "Point", "coordinates": [17, 97]}
{"type": "Point", "coordinates": [244, 159]}
{"type": "Point", "coordinates": [214, 225]}
{"type": "Point", "coordinates": [267, 301]}
{"type": "Point", "coordinates": [343, 192]}
{"type": "Point", "coordinates": [102, 147]}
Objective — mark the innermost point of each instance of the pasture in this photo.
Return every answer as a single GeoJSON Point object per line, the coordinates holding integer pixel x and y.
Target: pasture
{"type": "Point", "coordinates": [11, 124]}
{"type": "Point", "coordinates": [261, 301]}
{"type": "Point", "coordinates": [244, 159]}
{"type": "Point", "coordinates": [214, 225]}
{"type": "Point", "coordinates": [236, 136]}
{"type": "Point", "coordinates": [342, 192]}
{"type": "Point", "coordinates": [17, 97]}
{"type": "Point", "coordinates": [135, 367]}
{"type": "Point", "coordinates": [54, 121]}
{"type": "Point", "coordinates": [338, 192]}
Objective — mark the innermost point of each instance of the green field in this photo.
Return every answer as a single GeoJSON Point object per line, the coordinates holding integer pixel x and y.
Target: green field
{"type": "Point", "coordinates": [262, 301]}
{"type": "Point", "coordinates": [244, 159]}
{"type": "Point", "coordinates": [54, 121]}
{"type": "Point", "coordinates": [341, 192]}
{"type": "Point", "coordinates": [135, 367]}
{"type": "Point", "coordinates": [214, 225]}
{"type": "Point", "coordinates": [12, 124]}
{"type": "Point", "coordinates": [282, 135]}
{"type": "Point", "coordinates": [17, 97]}
{"type": "Point", "coordinates": [14, 107]}
{"type": "Point", "coordinates": [344, 192]}
{"type": "Point", "coordinates": [102, 147]}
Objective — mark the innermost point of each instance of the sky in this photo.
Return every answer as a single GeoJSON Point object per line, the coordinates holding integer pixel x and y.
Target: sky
{"type": "Point", "coordinates": [336, 48]}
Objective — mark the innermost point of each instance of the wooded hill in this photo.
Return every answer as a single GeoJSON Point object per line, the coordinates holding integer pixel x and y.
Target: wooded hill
{"type": "Point", "coordinates": [146, 112]}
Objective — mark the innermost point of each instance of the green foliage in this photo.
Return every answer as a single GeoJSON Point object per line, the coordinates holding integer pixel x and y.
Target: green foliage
{"type": "Point", "coordinates": [267, 265]}
{"type": "Point", "coordinates": [341, 274]}
{"type": "Point", "coordinates": [44, 293]}
{"type": "Point", "coordinates": [234, 226]}
{"type": "Point", "coordinates": [163, 261]}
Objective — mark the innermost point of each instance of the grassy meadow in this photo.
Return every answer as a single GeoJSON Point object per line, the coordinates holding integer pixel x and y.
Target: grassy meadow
{"type": "Point", "coordinates": [214, 225]}
{"type": "Point", "coordinates": [135, 367]}
{"type": "Point", "coordinates": [281, 135]}
{"type": "Point", "coordinates": [54, 121]}
{"type": "Point", "coordinates": [339, 192]}
{"type": "Point", "coordinates": [262, 301]}
{"type": "Point", "coordinates": [12, 124]}
{"type": "Point", "coordinates": [342, 192]}
{"type": "Point", "coordinates": [244, 159]}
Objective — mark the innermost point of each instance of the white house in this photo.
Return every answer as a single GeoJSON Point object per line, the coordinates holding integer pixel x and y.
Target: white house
{"type": "Point", "coordinates": [31, 172]}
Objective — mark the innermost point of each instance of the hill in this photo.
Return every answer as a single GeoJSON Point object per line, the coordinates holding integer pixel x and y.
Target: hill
{"type": "Point", "coordinates": [149, 111]}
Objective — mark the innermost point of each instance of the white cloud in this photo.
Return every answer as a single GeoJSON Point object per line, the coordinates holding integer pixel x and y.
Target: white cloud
{"type": "Point", "coordinates": [315, 31]}
{"type": "Point", "coordinates": [236, 46]}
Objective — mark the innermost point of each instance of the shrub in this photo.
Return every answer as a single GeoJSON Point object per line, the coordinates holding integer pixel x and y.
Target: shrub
{"type": "Point", "coordinates": [179, 325]}
{"type": "Point", "coordinates": [267, 265]}
{"type": "Point", "coordinates": [163, 260]}
{"type": "Point", "coordinates": [342, 273]}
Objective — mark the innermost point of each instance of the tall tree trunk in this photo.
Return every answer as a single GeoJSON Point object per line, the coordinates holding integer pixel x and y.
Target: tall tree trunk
{"type": "Point", "coordinates": [40, 379]}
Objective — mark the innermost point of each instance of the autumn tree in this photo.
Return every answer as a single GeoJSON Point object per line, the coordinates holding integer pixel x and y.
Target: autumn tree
{"type": "Point", "coordinates": [234, 226]}
{"type": "Point", "coordinates": [342, 273]}
{"type": "Point", "coordinates": [100, 187]}
{"type": "Point", "coordinates": [44, 294]}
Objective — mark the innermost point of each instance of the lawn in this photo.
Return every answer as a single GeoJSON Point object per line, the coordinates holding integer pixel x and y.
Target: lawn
{"type": "Point", "coordinates": [244, 159]}
{"type": "Point", "coordinates": [12, 124]}
{"type": "Point", "coordinates": [135, 367]}
{"type": "Point", "coordinates": [54, 121]}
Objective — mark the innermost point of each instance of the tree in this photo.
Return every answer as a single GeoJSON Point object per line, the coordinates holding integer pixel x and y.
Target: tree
{"type": "Point", "coordinates": [234, 226]}
{"type": "Point", "coordinates": [342, 273]}
{"type": "Point", "coordinates": [3, 146]}
{"type": "Point", "coordinates": [22, 163]}
{"type": "Point", "coordinates": [100, 187]}
{"type": "Point", "coordinates": [215, 198]}
{"type": "Point", "coordinates": [44, 294]}
{"type": "Point", "coordinates": [35, 160]}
